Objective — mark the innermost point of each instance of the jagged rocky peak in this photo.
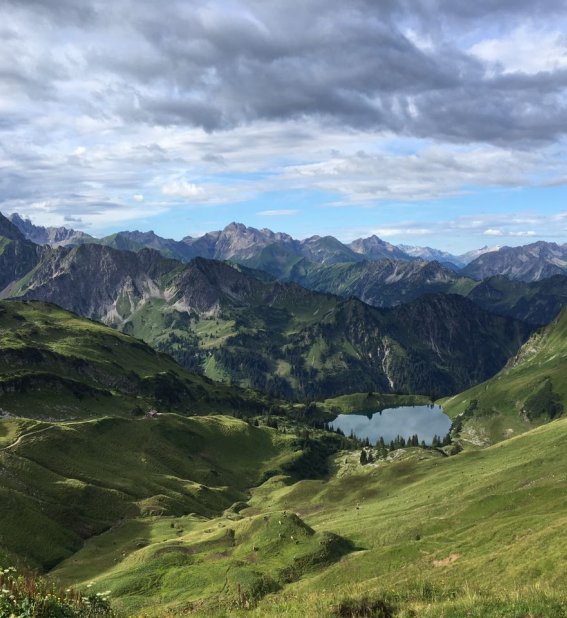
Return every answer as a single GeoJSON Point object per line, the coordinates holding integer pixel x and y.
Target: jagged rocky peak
{"type": "Point", "coordinates": [9, 230]}
{"type": "Point", "coordinates": [53, 236]}
{"type": "Point", "coordinates": [429, 253]}
{"type": "Point", "coordinates": [236, 242]}
{"type": "Point", "coordinates": [376, 248]}
{"type": "Point", "coordinates": [532, 262]}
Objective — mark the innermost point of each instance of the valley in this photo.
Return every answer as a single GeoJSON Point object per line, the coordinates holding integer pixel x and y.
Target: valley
{"type": "Point", "coordinates": [476, 534]}
{"type": "Point", "coordinates": [167, 434]}
{"type": "Point", "coordinates": [283, 309]}
{"type": "Point", "coordinates": [244, 328]}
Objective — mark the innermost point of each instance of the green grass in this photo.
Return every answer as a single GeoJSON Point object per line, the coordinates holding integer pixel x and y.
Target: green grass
{"type": "Point", "coordinates": [214, 332]}
{"type": "Point", "coordinates": [474, 534]}
{"type": "Point", "coordinates": [54, 364]}
{"type": "Point", "coordinates": [522, 395]}
{"type": "Point", "coordinates": [62, 483]}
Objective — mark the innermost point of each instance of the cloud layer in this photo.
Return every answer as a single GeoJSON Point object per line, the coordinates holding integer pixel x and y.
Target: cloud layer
{"type": "Point", "coordinates": [114, 111]}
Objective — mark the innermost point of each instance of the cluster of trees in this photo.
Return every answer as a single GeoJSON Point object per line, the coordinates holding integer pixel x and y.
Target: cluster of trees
{"type": "Point", "coordinates": [382, 448]}
{"type": "Point", "coordinates": [544, 402]}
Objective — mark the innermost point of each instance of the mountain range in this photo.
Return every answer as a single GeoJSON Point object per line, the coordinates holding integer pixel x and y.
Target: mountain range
{"type": "Point", "coordinates": [187, 509]}
{"type": "Point", "coordinates": [278, 253]}
{"type": "Point", "coordinates": [296, 328]}
{"type": "Point", "coordinates": [389, 283]}
{"type": "Point", "coordinates": [239, 242]}
{"type": "Point", "coordinates": [234, 325]}
{"type": "Point", "coordinates": [531, 262]}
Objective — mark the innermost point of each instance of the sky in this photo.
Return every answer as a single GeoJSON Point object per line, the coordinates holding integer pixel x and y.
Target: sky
{"type": "Point", "coordinates": [431, 122]}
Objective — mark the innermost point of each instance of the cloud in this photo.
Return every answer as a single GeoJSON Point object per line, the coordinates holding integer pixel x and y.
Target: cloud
{"type": "Point", "coordinates": [497, 226]}
{"type": "Point", "coordinates": [391, 232]}
{"type": "Point", "coordinates": [366, 102]}
{"type": "Point", "coordinates": [430, 173]}
{"type": "Point", "coordinates": [71, 219]}
{"type": "Point", "coordinates": [525, 51]}
{"type": "Point", "coordinates": [510, 233]}
{"type": "Point", "coordinates": [138, 197]}
{"type": "Point", "coordinates": [493, 232]}
{"type": "Point", "coordinates": [277, 213]}
{"type": "Point", "coordinates": [356, 64]}
{"type": "Point", "coordinates": [182, 188]}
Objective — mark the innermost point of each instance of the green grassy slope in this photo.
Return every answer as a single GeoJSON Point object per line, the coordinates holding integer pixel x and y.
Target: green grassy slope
{"type": "Point", "coordinates": [532, 389]}
{"type": "Point", "coordinates": [478, 534]}
{"type": "Point", "coordinates": [55, 364]}
{"type": "Point", "coordinates": [61, 483]}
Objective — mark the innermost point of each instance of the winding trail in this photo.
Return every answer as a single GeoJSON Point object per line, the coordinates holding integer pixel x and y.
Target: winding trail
{"type": "Point", "coordinates": [25, 435]}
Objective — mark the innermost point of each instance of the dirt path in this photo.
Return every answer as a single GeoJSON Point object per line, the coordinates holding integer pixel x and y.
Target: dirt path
{"type": "Point", "coordinates": [25, 435]}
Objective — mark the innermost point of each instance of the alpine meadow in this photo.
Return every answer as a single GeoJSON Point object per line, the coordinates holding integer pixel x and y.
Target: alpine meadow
{"type": "Point", "coordinates": [283, 309]}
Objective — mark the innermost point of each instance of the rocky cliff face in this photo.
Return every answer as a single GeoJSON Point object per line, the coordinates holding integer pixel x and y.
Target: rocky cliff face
{"type": "Point", "coordinates": [237, 242]}
{"type": "Point", "coordinates": [528, 263]}
{"type": "Point", "coordinates": [17, 255]}
{"type": "Point", "coordinates": [93, 280]}
{"type": "Point", "coordinates": [52, 236]}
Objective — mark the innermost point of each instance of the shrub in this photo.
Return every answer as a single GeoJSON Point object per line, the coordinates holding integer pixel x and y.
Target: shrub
{"type": "Point", "coordinates": [27, 596]}
{"type": "Point", "coordinates": [364, 608]}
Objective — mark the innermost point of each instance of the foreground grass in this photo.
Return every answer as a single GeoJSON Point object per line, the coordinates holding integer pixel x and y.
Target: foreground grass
{"type": "Point", "coordinates": [478, 534]}
{"type": "Point", "coordinates": [24, 595]}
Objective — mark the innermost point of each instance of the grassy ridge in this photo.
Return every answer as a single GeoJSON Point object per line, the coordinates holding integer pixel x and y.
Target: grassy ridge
{"type": "Point", "coordinates": [55, 364]}
{"type": "Point", "coordinates": [532, 389]}
{"type": "Point", "coordinates": [62, 483]}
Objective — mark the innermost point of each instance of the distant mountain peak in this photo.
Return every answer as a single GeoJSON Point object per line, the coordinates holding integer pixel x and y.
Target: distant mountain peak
{"type": "Point", "coordinates": [533, 262]}
{"type": "Point", "coordinates": [374, 248]}
{"type": "Point", "coordinates": [9, 229]}
{"type": "Point", "coordinates": [53, 236]}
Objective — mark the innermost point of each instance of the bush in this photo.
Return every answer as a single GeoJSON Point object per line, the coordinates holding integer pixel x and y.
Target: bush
{"type": "Point", "coordinates": [364, 608]}
{"type": "Point", "coordinates": [27, 596]}
{"type": "Point", "coordinates": [544, 402]}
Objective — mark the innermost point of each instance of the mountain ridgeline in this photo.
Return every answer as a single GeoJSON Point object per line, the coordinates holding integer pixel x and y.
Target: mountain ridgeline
{"type": "Point", "coordinates": [243, 328]}
{"type": "Point", "coordinates": [277, 252]}
{"type": "Point", "coordinates": [532, 262]}
{"type": "Point", "coordinates": [56, 365]}
{"type": "Point", "coordinates": [388, 283]}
